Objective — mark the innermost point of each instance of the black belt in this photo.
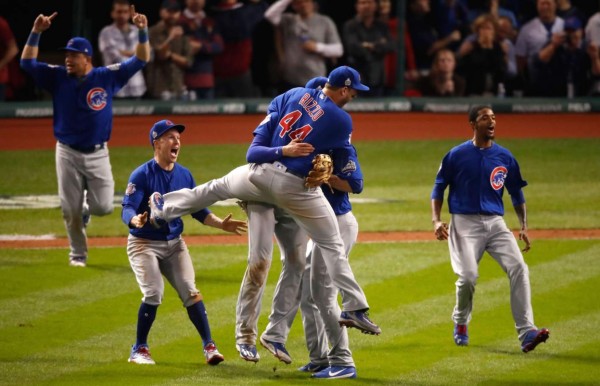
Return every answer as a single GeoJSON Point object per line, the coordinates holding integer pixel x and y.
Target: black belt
{"type": "Point", "coordinates": [87, 149]}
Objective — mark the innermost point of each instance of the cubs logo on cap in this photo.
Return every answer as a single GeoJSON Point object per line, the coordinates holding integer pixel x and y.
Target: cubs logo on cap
{"type": "Point", "coordinates": [345, 76]}
{"type": "Point", "coordinates": [79, 44]}
{"type": "Point", "coordinates": [162, 127]}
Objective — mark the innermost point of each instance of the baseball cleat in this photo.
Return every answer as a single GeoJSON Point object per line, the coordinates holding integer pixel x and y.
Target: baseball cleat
{"type": "Point", "coordinates": [213, 356]}
{"type": "Point", "coordinates": [461, 336]}
{"type": "Point", "coordinates": [277, 349]}
{"type": "Point", "coordinates": [156, 203]}
{"type": "Point", "coordinates": [312, 368]}
{"type": "Point", "coordinates": [248, 352]}
{"type": "Point", "coordinates": [141, 356]}
{"type": "Point", "coordinates": [77, 261]}
{"type": "Point", "coordinates": [533, 338]}
{"type": "Point", "coordinates": [336, 372]}
{"type": "Point", "coordinates": [360, 320]}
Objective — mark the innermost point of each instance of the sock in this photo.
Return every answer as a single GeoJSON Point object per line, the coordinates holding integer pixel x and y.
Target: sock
{"type": "Point", "coordinates": [197, 314]}
{"type": "Point", "coordinates": [146, 315]}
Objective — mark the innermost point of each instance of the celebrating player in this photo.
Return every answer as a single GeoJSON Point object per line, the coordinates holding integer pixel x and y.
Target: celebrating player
{"type": "Point", "coordinates": [477, 172]}
{"type": "Point", "coordinates": [82, 98]}
{"type": "Point", "coordinates": [311, 116]}
{"type": "Point", "coordinates": [155, 252]}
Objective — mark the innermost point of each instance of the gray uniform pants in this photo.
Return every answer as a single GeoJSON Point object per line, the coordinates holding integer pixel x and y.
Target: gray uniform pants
{"type": "Point", "coordinates": [151, 259]}
{"type": "Point", "coordinates": [263, 220]}
{"type": "Point", "coordinates": [77, 172]}
{"type": "Point", "coordinates": [271, 183]}
{"type": "Point", "coordinates": [470, 236]}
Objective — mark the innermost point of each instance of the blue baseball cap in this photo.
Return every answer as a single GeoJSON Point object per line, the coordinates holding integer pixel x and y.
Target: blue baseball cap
{"type": "Point", "coordinates": [79, 44]}
{"type": "Point", "coordinates": [162, 127]}
{"type": "Point", "coordinates": [572, 23]}
{"type": "Point", "coordinates": [345, 76]}
{"type": "Point", "coordinates": [317, 83]}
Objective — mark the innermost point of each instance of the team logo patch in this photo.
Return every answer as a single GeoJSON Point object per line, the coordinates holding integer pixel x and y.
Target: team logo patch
{"type": "Point", "coordinates": [97, 98]}
{"type": "Point", "coordinates": [349, 167]}
{"type": "Point", "coordinates": [497, 177]}
{"type": "Point", "coordinates": [130, 189]}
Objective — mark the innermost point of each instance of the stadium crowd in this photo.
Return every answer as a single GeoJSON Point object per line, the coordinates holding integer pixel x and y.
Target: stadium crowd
{"type": "Point", "coordinates": [205, 49]}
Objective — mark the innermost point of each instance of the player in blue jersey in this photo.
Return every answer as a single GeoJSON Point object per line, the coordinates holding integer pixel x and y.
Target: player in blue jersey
{"type": "Point", "coordinates": [154, 252]}
{"type": "Point", "coordinates": [477, 172]}
{"type": "Point", "coordinates": [82, 100]}
{"type": "Point", "coordinates": [310, 116]}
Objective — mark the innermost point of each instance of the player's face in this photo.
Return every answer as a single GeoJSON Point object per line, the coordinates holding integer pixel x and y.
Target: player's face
{"type": "Point", "coordinates": [485, 125]}
{"type": "Point", "coordinates": [167, 146]}
{"type": "Point", "coordinates": [347, 94]}
{"type": "Point", "coordinates": [76, 63]}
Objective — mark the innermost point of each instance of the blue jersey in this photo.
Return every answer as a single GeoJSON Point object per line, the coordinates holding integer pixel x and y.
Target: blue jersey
{"type": "Point", "coordinates": [345, 166]}
{"type": "Point", "coordinates": [308, 115]}
{"type": "Point", "coordinates": [477, 178]}
{"type": "Point", "coordinates": [145, 180]}
{"type": "Point", "coordinates": [82, 106]}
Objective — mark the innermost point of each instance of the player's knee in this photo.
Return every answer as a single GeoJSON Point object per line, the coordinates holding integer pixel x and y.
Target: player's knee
{"type": "Point", "coordinates": [518, 269]}
{"type": "Point", "coordinates": [258, 271]}
{"type": "Point", "coordinates": [102, 209]}
{"type": "Point", "coordinates": [467, 278]}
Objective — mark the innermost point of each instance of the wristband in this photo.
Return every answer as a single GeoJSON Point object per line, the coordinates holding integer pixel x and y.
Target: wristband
{"type": "Point", "coordinates": [34, 39]}
{"type": "Point", "coordinates": [143, 35]}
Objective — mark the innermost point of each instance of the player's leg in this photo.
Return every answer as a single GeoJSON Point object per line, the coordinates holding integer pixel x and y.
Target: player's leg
{"type": "Point", "coordinates": [70, 193]}
{"type": "Point", "coordinates": [503, 247]}
{"type": "Point", "coordinates": [261, 223]}
{"type": "Point", "coordinates": [312, 211]}
{"type": "Point", "coordinates": [99, 182]}
{"type": "Point", "coordinates": [185, 201]}
{"type": "Point", "coordinates": [144, 263]}
{"type": "Point", "coordinates": [178, 269]}
{"type": "Point", "coordinates": [286, 298]}
{"type": "Point", "coordinates": [466, 243]}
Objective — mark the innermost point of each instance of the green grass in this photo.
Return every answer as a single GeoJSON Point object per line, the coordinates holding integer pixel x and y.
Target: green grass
{"type": "Point", "coordinates": [562, 175]}
{"type": "Point", "coordinates": [60, 325]}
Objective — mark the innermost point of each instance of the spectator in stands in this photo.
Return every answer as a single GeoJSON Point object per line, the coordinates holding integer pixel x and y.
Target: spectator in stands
{"type": "Point", "coordinates": [173, 54]}
{"type": "Point", "coordinates": [206, 42]}
{"type": "Point", "coordinates": [8, 51]}
{"type": "Point", "coordinates": [450, 16]}
{"type": "Point", "coordinates": [563, 65]}
{"type": "Point", "coordinates": [492, 7]}
{"type": "Point", "coordinates": [410, 68]}
{"type": "Point", "coordinates": [305, 40]}
{"type": "Point", "coordinates": [483, 60]}
{"type": "Point", "coordinates": [236, 22]}
{"type": "Point", "coordinates": [592, 35]}
{"type": "Point", "coordinates": [425, 38]}
{"type": "Point", "coordinates": [117, 43]}
{"type": "Point", "coordinates": [442, 81]}
{"type": "Point", "coordinates": [534, 36]}
{"type": "Point", "coordinates": [367, 41]}
{"type": "Point", "coordinates": [565, 9]}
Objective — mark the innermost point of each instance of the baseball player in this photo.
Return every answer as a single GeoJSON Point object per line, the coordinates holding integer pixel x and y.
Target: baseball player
{"type": "Point", "coordinates": [155, 252]}
{"type": "Point", "coordinates": [318, 300]}
{"type": "Point", "coordinates": [477, 172]}
{"type": "Point", "coordinates": [82, 99]}
{"type": "Point", "coordinates": [308, 116]}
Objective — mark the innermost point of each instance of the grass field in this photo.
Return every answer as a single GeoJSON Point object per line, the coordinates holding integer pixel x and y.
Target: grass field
{"type": "Point", "coordinates": [60, 325]}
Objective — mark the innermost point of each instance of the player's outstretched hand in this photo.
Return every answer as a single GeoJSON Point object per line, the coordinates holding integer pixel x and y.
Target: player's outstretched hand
{"type": "Point", "coordinates": [234, 226]}
{"type": "Point", "coordinates": [43, 22]}
{"type": "Point", "coordinates": [440, 230]}
{"type": "Point", "coordinates": [139, 19]}
{"type": "Point", "coordinates": [139, 220]}
{"type": "Point", "coordinates": [297, 148]}
{"type": "Point", "coordinates": [525, 237]}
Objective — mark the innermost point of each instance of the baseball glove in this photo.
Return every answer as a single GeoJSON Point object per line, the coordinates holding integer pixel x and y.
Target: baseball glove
{"type": "Point", "coordinates": [321, 171]}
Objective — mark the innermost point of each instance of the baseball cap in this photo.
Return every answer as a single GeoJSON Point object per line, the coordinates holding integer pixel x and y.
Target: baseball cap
{"type": "Point", "coordinates": [317, 83]}
{"type": "Point", "coordinates": [161, 127]}
{"type": "Point", "coordinates": [79, 44]}
{"type": "Point", "coordinates": [345, 76]}
{"type": "Point", "coordinates": [572, 23]}
{"type": "Point", "coordinates": [171, 5]}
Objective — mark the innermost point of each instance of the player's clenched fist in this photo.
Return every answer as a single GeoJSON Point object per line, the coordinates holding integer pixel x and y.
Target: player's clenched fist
{"type": "Point", "coordinates": [139, 19]}
{"type": "Point", "coordinates": [441, 230]}
{"type": "Point", "coordinates": [43, 22]}
{"type": "Point", "coordinates": [139, 220]}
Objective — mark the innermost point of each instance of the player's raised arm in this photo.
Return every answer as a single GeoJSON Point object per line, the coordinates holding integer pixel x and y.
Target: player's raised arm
{"type": "Point", "coordinates": [142, 50]}
{"type": "Point", "coordinates": [41, 23]}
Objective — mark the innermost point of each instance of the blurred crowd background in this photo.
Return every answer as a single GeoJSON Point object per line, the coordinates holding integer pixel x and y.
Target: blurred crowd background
{"type": "Point", "coordinates": [206, 49]}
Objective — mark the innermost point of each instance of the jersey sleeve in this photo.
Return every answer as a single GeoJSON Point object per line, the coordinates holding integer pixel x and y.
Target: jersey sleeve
{"type": "Point", "coordinates": [43, 74]}
{"type": "Point", "coordinates": [347, 167]}
{"type": "Point", "coordinates": [442, 179]}
{"type": "Point", "coordinates": [134, 195]}
{"type": "Point", "coordinates": [125, 70]}
{"type": "Point", "coordinates": [515, 182]}
{"type": "Point", "coordinates": [260, 150]}
{"type": "Point", "coordinates": [202, 213]}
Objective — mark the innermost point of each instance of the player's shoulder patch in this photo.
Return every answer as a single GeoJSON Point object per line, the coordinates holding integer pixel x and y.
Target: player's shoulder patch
{"type": "Point", "coordinates": [267, 118]}
{"type": "Point", "coordinates": [130, 189]}
{"type": "Point", "coordinates": [114, 67]}
{"type": "Point", "coordinates": [350, 167]}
